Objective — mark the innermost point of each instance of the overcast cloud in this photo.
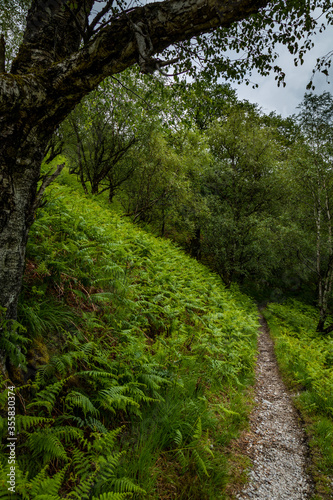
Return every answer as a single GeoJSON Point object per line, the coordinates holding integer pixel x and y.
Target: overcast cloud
{"type": "Point", "coordinates": [284, 101]}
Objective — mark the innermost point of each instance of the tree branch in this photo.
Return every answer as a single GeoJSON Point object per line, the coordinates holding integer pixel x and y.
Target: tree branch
{"type": "Point", "coordinates": [160, 24]}
{"type": "Point", "coordinates": [58, 74]}
{"type": "Point", "coordinates": [46, 182]}
{"type": "Point", "coordinates": [99, 16]}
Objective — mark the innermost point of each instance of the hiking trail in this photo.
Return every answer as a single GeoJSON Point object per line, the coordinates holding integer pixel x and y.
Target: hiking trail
{"type": "Point", "coordinates": [275, 443]}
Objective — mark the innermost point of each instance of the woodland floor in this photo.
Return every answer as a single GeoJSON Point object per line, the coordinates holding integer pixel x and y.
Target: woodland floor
{"type": "Point", "coordinates": [275, 443]}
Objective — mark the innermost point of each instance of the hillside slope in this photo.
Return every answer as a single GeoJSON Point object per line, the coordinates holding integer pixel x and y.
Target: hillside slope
{"type": "Point", "coordinates": [139, 359]}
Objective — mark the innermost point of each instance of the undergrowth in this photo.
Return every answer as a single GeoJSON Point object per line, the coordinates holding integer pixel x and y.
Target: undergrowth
{"type": "Point", "coordinates": [306, 359]}
{"type": "Point", "coordinates": [132, 363]}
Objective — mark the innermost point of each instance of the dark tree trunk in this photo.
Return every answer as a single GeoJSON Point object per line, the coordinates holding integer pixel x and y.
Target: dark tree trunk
{"type": "Point", "coordinates": [111, 194]}
{"type": "Point", "coordinates": [195, 244]}
{"type": "Point", "coordinates": [321, 324]}
{"type": "Point", "coordinates": [19, 174]}
{"type": "Point", "coordinates": [94, 187]}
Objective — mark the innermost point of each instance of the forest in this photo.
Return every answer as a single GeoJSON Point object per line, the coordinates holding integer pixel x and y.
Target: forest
{"type": "Point", "coordinates": [145, 217]}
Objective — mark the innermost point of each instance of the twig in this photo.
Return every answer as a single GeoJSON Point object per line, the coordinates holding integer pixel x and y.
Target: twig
{"type": "Point", "coordinates": [46, 182]}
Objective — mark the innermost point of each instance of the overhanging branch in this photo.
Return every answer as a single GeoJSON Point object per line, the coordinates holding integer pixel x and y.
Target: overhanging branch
{"type": "Point", "coordinates": [158, 25]}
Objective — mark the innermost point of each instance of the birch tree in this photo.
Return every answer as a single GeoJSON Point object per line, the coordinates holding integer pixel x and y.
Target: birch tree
{"type": "Point", "coordinates": [314, 175]}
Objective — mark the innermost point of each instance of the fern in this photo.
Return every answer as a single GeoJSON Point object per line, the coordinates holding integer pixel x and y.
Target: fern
{"type": "Point", "coordinates": [105, 443]}
{"type": "Point", "coordinates": [68, 434]}
{"type": "Point", "coordinates": [41, 318]}
{"type": "Point", "coordinates": [83, 489]}
{"type": "Point", "coordinates": [201, 462]}
{"type": "Point", "coordinates": [96, 374]}
{"type": "Point", "coordinates": [46, 445]}
{"type": "Point", "coordinates": [47, 397]}
{"type": "Point", "coordinates": [178, 438]}
{"type": "Point", "coordinates": [51, 485]}
{"type": "Point", "coordinates": [156, 332]}
{"type": "Point", "coordinates": [113, 496]}
{"type": "Point", "coordinates": [124, 485]}
{"type": "Point", "coordinates": [24, 422]}
{"type": "Point", "coordinates": [12, 340]}
{"type": "Point", "coordinates": [76, 399]}
{"type": "Point", "coordinates": [113, 398]}
{"type": "Point", "coordinates": [81, 463]}
{"type": "Point", "coordinates": [83, 471]}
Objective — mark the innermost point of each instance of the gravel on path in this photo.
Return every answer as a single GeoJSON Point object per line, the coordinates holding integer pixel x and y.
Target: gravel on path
{"type": "Point", "coordinates": [276, 442]}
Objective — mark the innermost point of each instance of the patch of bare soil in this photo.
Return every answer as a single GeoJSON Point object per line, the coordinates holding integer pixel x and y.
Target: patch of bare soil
{"type": "Point", "coordinates": [276, 443]}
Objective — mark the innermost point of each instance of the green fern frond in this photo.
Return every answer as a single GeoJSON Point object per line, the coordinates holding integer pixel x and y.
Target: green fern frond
{"type": "Point", "coordinates": [51, 485]}
{"type": "Point", "coordinates": [178, 439]}
{"type": "Point", "coordinates": [41, 404]}
{"type": "Point", "coordinates": [87, 477]}
{"type": "Point", "coordinates": [200, 462]}
{"type": "Point", "coordinates": [108, 465]}
{"type": "Point", "coordinates": [113, 496]}
{"type": "Point", "coordinates": [125, 485]}
{"type": "Point", "coordinates": [181, 458]}
{"type": "Point", "coordinates": [23, 422]}
{"type": "Point", "coordinates": [79, 400]}
{"type": "Point", "coordinates": [12, 340]}
{"type": "Point", "coordinates": [26, 487]}
{"type": "Point", "coordinates": [198, 430]}
{"type": "Point", "coordinates": [47, 397]}
{"type": "Point", "coordinates": [153, 381]}
{"type": "Point", "coordinates": [96, 374]}
{"type": "Point", "coordinates": [64, 362]}
{"type": "Point", "coordinates": [67, 434]}
{"type": "Point", "coordinates": [113, 398]}
{"type": "Point", "coordinates": [81, 462]}
{"type": "Point", "coordinates": [104, 443]}
{"type": "Point", "coordinates": [138, 394]}
{"type": "Point", "coordinates": [46, 445]}
{"type": "Point", "coordinates": [46, 496]}
{"type": "Point", "coordinates": [95, 425]}
{"type": "Point", "coordinates": [88, 348]}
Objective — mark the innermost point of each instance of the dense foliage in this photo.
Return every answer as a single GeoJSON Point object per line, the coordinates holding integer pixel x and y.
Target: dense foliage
{"type": "Point", "coordinates": [139, 359]}
{"type": "Point", "coordinates": [247, 194]}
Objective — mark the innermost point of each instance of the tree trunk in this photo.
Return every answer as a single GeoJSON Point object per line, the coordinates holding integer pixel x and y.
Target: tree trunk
{"type": "Point", "coordinates": [195, 244]}
{"type": "Point", "coordinates": [19, 174]}
{"type": "Point", "coordinates": [321, 323]}
{"type": "Point", "coordinates": [111, 194]}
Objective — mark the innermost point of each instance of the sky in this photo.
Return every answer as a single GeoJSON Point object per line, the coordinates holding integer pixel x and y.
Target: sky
{"type": "Point", "coordinates": [284, 100]}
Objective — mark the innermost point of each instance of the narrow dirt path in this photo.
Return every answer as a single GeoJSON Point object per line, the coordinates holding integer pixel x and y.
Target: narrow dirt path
{"type": "Point", "coordinates": [276, 442]}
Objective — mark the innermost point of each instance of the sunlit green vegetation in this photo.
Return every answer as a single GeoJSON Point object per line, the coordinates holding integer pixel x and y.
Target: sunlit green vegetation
{"type": "Point", "coordinates": [140, 357]}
